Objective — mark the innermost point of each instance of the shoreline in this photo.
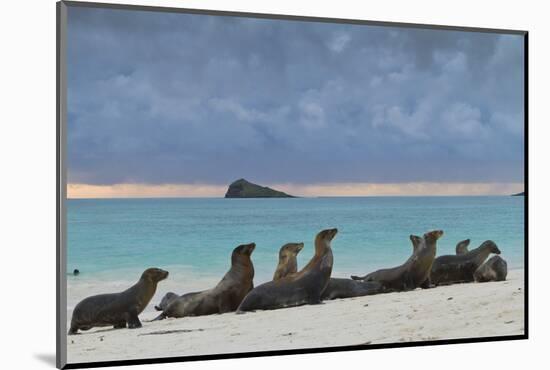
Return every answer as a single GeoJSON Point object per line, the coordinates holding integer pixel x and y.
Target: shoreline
{"type": "Point", "coordinates": [447, 312]}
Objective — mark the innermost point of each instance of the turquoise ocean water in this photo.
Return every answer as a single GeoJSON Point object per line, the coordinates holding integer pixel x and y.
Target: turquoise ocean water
{"type": "Point", "coordinates": [116, 239]}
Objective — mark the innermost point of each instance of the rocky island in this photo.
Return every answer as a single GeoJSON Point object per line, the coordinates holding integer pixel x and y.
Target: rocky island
{"type": "Point", "coordinates": [522, 194]}
{"type": "Point", "coordinates": [245, 189]}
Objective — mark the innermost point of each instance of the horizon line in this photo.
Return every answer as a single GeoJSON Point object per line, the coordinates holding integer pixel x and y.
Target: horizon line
{"type": "Point", "coordinates": [136, 190]}
{"type": "Point", "coordinates": [307, 197]}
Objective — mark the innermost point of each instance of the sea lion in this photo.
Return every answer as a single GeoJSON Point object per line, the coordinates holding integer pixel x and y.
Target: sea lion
{"type": "Point", "coordinates": [459, 269]}
{"type": "Point", "coordinates": [415, 272]}
{"type": "Point", "coordinates": [288, 263]}
{"type": "Point", "coordinates": [76, 272]}
{"type": "Point", "coordinates": [336, 288]}
{"type": "Point", "coordinates": [303, 287]}
{"type": "Point", "coordinates": [462, 246]}
{"type": "Point", "coordinates": [348, 288]}
{"type": "Point", "coordinates": [169, 298]}
{"type": "Point", "coordinates": [225, 296]}
{"type": "Point", "coordinates": [495, 269]}
{"type": "Point", "coordinates": [117, 309]}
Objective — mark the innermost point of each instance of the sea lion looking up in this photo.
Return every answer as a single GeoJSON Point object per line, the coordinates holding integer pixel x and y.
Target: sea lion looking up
{"type": "Point", "coordinates": [288, 263]}
{"type": "Point", "coordinates": [462, 246]}
{"type": "Point", "coordinates": [459, 269]}
{"type": "Point", "coordinates": [336, 288]}
{"type": "Point", "coordinates": [415, 271]}
{"type": "Point", "coordinates": [495, 269]}
{"type": "Point", "coordinates": [303, 287]}
{"type": "Point", "coordinates": [225, 296]}
{"type": "Point", "coordinates": [117, 309]}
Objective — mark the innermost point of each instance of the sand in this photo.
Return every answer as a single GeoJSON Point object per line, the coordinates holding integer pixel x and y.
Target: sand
{"type": "Point", "coordinates": [448, 312]}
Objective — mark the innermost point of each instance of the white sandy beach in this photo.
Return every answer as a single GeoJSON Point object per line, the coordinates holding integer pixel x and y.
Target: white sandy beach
{"type": "Point", "coordinates": [448, 312]}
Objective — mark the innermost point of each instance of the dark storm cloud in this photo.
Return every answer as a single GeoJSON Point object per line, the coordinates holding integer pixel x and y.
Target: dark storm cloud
{"type": "Point", "coordinates": [175, 98]}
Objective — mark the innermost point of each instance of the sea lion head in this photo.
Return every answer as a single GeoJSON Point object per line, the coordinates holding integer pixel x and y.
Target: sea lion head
{"type": "Point", "coordinates": [166, 300]}
{"type": "Point", "coordinates": [244, 250]}
{"type": "Point", "coordinates": [432, 236]}
{"type": "Point", "coordinates": [323, 239]}
{"type": "Point", "coordinates": [290, 250]}
{"type": "Point", "coordinates": [416, 240]}
{"type": "Point", "coordinates": [327, 234]}
{"type": "Point", "coordinates": [462, 246]}
{"type": "Point", "coordinates": [240, 258]}
{"type": "Point", "coordinates": [154, 274]}
{"type": "Point", "coordinates": [489, 244]}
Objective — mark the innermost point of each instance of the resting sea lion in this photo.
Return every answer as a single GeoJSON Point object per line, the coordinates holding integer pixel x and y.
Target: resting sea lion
{"type": "Point", "coordinates": [166, 300]}
{"type": "Point", "coordinates": [225, 297]}
{"type": "Point", "coordinates": [288, 263]}
{"type": "Point", "coordinates": [458, 269]}
{"type": "Point", "coordinates": [348, 288]}
{"type": "Point", "coordinates": [415, 272]}
{"type": "Point", "coordinates": [169, 298]}
{"type": "Point", "coordinates": [495, 269]}
{"type": "Point", "coordinates": [117, 309]}
{"type": "Point", "coordinates": [462, 246]}
{"type": "Point", "coordinates": [303, 287]}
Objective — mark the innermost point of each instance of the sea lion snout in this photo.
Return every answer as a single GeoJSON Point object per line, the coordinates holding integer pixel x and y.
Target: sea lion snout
{"type": "Point", "coordinates": [163, 274]}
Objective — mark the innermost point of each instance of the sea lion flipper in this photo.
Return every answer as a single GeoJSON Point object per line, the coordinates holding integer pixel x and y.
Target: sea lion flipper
{"type": "Point", "coordinates": [120, 325]}
{"type": "Point", "coordinates": [162, 316]}
{"type": "Point", "coordinates": [133, 320]}
{"type": "Point", "coordinates": [73, 331]}
{"type": "Point", "coordinates": [426, 284]}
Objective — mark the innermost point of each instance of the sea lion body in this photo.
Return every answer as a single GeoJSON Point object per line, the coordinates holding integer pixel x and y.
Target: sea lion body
{"type": "Point", "coordinates": [415, 272]}
{"type": "Point", "coordinates": [347, 288]}
{"type": "Point", "coordinates": [288, 263]}
{"type": "Point", "coordinates": [303, 287]}
{"type": "Point", "coordinates": [225, 296]}
{"type": "Point", "coordinates": [495, 269]}
{"type": "Point", "coordinates": [117, 309]}
{"type": "Point", "coordinates": [451, 269]}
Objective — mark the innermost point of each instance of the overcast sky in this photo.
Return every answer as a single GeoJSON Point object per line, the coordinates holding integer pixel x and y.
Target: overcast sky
{"type": "Point", "coordinates": [160, 98]}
